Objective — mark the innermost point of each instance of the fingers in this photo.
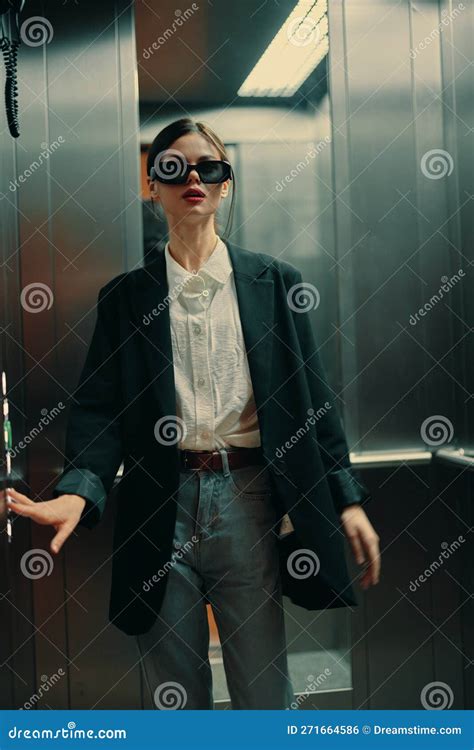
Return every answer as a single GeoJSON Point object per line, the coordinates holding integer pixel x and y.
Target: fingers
{"type": "Point", "coordinates": [352, 529]}
{"type": "Point", "coordinates": [38, 512]}
{"type": "Point", "coordinates": [41, 513]}
{"type": "Point", "coordinates": [356, 546]}
{"type": "Point", "coordinates": [30, 511]}
{"type": "Point", "coordinates": [58, 540]}
{"type": "Point", "coordinates": [372, 573]}
{"type": "Point", "coordinates": [364, 542]}
{"type": "Point", "coordinates": [375, 563]}
{"type": "Point", "coordinates": [18, 497]}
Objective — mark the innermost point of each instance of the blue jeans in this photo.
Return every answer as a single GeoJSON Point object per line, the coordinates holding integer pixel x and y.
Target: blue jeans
{"type": "Point", "coordinates": [225, 548]}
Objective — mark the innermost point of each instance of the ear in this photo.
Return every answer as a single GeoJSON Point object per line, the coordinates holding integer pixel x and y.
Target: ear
{"type": "Point", "coordinates": [153, 188]}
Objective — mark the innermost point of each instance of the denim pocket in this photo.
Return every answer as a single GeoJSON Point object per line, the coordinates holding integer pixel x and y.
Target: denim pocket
{"type": "Point", "coordinates": [251, 482]}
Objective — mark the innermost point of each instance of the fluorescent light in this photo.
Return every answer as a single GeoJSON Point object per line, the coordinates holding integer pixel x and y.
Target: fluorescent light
{"type": "Point", "coordinates": [293, 54]}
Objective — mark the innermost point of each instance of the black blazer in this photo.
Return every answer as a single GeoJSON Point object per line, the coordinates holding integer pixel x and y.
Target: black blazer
{"type": "Point", "coordinates": [127, 384]}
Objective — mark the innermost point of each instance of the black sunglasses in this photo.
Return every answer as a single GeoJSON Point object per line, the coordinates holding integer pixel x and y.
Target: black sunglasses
{"type": "Point", "coordinates": [176, 171]}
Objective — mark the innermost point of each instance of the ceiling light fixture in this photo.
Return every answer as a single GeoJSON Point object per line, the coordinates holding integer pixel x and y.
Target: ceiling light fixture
{"type": "Point", "coordinates": [296, 50]}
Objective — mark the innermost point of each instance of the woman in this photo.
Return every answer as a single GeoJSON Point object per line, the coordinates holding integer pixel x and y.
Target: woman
{"type": "Point", "coordinates": [204, 378]}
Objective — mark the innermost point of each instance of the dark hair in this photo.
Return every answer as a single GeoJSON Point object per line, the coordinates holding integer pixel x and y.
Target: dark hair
{"type": "Point", "coordinates": [175, 130]}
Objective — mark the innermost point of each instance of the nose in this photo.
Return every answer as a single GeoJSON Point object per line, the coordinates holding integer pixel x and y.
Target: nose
{"type": "Point", "coordinates": [195, 174]}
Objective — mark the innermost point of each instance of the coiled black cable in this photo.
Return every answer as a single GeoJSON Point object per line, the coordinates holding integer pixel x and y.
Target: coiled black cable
{"type": "Point", "coordinates": [10, 52]}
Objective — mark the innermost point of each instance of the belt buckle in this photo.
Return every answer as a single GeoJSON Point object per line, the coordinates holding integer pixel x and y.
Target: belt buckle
{"type": "Point", "coordinates": [185, 462]}
{"type": "Point", "coordinates": [207, 462]}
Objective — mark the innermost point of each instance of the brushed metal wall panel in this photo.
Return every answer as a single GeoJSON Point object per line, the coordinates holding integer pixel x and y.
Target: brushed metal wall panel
{"type": "Point", "coordinates": [79, 220]}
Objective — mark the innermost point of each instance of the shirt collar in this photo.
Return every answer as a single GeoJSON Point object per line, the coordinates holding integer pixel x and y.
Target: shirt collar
{"type": "Point", "coordinates": [218, 266]}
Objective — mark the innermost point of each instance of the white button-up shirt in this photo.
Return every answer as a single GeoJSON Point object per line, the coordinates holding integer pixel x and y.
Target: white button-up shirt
{"type": "Point", "coordinates": [214, 395]}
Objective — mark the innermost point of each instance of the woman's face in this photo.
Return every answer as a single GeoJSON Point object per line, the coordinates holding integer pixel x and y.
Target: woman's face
{"type": "Point", "coordinates": [194, 148]}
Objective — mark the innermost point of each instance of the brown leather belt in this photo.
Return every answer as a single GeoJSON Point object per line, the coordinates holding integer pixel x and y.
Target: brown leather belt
{"type": "Point", "coordinates": [212, 460]}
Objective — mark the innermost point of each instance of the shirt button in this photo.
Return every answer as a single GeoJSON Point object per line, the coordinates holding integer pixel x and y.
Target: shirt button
{"type": "Point", "coordinates": [201, 381]}
{"type": "Point", "coordinates": [197, 329]}
{"type": "Point", "coordinates": [205, 434]}
{"type": "Point", "coordinates": [205, 293]}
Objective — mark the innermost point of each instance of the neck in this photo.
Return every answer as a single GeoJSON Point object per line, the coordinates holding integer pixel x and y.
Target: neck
{"type": "Point", "coordinates": [191, 246]}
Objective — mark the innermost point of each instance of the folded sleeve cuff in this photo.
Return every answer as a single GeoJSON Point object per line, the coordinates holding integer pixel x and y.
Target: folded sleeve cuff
{"type": "Point", "coordinates": [87, 484]}
{"type": "Point", "coordinates": [346, 488]}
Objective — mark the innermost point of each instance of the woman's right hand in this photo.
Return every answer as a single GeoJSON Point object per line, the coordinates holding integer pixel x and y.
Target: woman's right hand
{"type": "Point", "coordinates": [63, 513]}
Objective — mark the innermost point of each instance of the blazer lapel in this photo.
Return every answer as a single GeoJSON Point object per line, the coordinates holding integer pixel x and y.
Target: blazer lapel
{"type": "Point", "coordinates": [152, 322]}
{"type": "Point", "coordinates": [256, 308]}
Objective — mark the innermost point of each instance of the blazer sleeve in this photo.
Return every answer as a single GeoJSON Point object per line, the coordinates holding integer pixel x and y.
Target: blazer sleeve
{"type": "Point", "coordinates": [93, 446]}
{"type": "Point", "coordinates": [344, 481]}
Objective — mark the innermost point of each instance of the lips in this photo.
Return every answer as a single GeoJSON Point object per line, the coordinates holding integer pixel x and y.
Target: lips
{"type": "Point", "coordinates": [193, 193]}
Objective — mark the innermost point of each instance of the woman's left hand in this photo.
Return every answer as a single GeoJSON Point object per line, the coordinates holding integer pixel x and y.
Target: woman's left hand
{"type": "Point", "coordinates": [364, 542]}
